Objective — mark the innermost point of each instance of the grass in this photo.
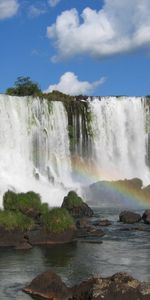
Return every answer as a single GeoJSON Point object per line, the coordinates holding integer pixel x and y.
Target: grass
{"type": "Point", "coordinates": [15, 220]}
{"type": "Point", "coordinates": [20, 202]}
{"type": "Point", "coordinates": [73, 200]}
{"type": "Point", "coordinates": [58, 220]}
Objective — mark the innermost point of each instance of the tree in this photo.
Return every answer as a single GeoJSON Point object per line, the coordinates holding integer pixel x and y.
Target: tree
{"type": "Point", "coordinates": [24, 86]}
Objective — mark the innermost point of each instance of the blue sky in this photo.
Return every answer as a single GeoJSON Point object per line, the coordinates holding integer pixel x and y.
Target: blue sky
{"type": "Point", "coordinates": [91, 47]}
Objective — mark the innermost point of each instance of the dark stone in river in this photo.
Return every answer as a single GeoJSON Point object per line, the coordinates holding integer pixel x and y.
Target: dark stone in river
{"type": "Point", "coordinates": [129, 217]}
{"type": "Point", "coordinates": [48, 285]}
{"type": "Point", "coordinates": [23, 246]}
{"type": "Point", "coordinates": [101, 222]}
{"type": "Point", "coordinates": [83, 223]}
{"type": "Point", "coordinates": [10, 238]}
{"type": "Point", "coordinates": [24, 240]}
{"type": "Point", "coordinates": [120, 286]}
{"type": "Point", "coordinates": [40, 236]}
{"type": "Point", "coordinates": [76, 206]}
{"type": "Point", "coordinates": [146, 216]}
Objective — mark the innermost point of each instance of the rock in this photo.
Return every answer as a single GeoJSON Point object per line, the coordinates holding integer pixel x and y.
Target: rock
{"type": "Point", "coordinates": [114, 192]}
{"type": "Point", "coordinates": [91, 241]}
{"type": "Point", "coordinates": [36, 236]}
{"type": "Point", "coordinates": [140, 228]}
{"type": "Point", "coordinates": [76, 207]}
{"type": "Point", "coordinates": [10, 238]}
{"type": "Point", "coordinates": [23, 246]}
{"type": "Point", "coordinates": [83, 223]}
{"type": "Point", "coordinates": [146, 216]}
{"type": "Point", "coordinates": [101, 223]}
{"type": "Point", "coordinates": [129, 217]}
{"type": "Point", "coordinates": [90, 232]}
{"type": "Point", "coordinates": [48, 285]}
{"type": "Point", "coordinates": [146, 190]}
{"type": "Point", "coordinates": [120, 286]}
{"type": "Point", "coordinates": [40, 236]}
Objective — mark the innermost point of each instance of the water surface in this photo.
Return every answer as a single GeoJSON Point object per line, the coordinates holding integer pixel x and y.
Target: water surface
{"type": "Point", "coordinates": [120, 251]}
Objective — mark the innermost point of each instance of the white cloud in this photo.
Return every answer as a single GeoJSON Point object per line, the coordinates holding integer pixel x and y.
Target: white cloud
{"type": "Point", "coordinates": [53, 2]}
{"type": "Point", "coordinates": [70, 84]}
{"type": "Point", "coordinates": [118, 27]}
{"type": "Point", "coordinates": [36, 11]}
{"type": "Point", "coordinates": [8, 8]}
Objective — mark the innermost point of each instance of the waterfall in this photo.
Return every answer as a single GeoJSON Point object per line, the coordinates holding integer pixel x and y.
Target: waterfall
{"type": "Point", "coordinates": [119, 138]}
{"type": "Point", "coordinates": [34, 147]}
{"type": "Point", "coordinates": [41, 140]}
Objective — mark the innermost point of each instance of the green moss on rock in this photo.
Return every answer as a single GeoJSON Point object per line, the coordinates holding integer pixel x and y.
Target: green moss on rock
{"type": "Point", "coordinates": [15, 220]}
{"type": "Point", "coordinates": [58, 220]}
{"type": "Point", "coordinates": [72, 200]}
{"type": "Point", "coordinates": [21, 201]}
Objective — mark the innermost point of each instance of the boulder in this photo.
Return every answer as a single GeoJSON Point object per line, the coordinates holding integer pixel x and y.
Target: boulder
{"type": "Point", "coordinates": [120, 286]}
{"type": "Point", "coordinates": [83, 223]}
{"type": "Point", "coordinates": [76, 207]}
{"type": "Point", "coordinates": [48, 285]}
{"type": "Point", "coordinates": [90, 233]}
{"type": "Point", "coordinates": [129, 217]}
{"type": "Point", "coordinates": [146, 216]}
{"type": "Point", "coordinates": [40, 236]}
{"type": "Point", "coordinates": [24, 245]}
{"type": "Point", "coordinates": [101, 223]}
{"type": "Point", "coordinates": [10, 238]}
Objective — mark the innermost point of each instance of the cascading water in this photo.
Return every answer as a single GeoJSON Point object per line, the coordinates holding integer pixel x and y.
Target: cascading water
{"type": "Point", "coordinates": [34, 143]}
{"type": "Point", "coordinates": [119, 138]}
{"type": "Point", "coordinates": [39, 147]}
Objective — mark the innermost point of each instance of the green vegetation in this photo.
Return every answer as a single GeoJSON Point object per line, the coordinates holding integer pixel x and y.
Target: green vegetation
{"type": "Point", "coordinates": [24, 86]}
{"type": "Point", "coordinates": [72, 137]}
{"type": "Point", "coordinates": [57, 220]}
{"type": "Point", "coordinates": [89, 119]}
{"type": "Point", "coordinates": [20, 211]}
{"type": "Point", "coordinates": [22, 201]}
{"type": "Point", "coordinates": [72, 200]}
{"type": "Point", "coordinates": [57, 96]}
{"type": "Point", "coordinates": [12, 220]}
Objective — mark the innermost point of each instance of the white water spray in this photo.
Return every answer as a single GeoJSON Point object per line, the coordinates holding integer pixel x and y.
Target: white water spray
{"type": "Point", "coordinates": [34, 143]}
{"type": "Point", "coordinates": [119, 138]}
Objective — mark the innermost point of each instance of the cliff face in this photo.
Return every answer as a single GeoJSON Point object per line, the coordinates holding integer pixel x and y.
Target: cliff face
{"type": "Point", "coordinates": [79, 127]}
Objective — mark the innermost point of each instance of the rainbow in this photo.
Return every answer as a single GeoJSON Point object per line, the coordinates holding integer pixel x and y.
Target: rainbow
{"type": "Point", "coordinates": [130, 193]}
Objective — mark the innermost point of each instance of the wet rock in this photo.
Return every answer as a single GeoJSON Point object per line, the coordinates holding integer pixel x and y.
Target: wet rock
{"type": "Point", "coordinates": [90, 232]}
{"type": "Point", "coordinates": [120, 286]}
{"type": "Point", "coordinates": [40, 236]}
{"type": "Point", "coordinates": [76, 206]}
{"type": "Point", "coordinates": [146, 216]}
{"type": "Point", "coordinates": [23, 246]}
{"type": "Point", "coordinates": [10, 238]}
{"type": "Point", "coordinates": [83, 223]}
{"type": "Point", "coordinates": [101, 223]}
{"type": "Point", "coordinates": [48, 285]}
{"type": "Point", "coordinates": [129, 217]}
{"type": "Point", "coordinates": [140, 228]}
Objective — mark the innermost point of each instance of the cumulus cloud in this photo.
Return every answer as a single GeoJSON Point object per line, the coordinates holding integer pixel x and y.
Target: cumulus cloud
{"type": "Point", "coordinates": [53, 2]}
{"type": "Point", "coordinates": [8, 8]}
{"type": "Point", "coordinates": [119, 26]}
{"type": "Point", "coordinates": [70, 84]}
